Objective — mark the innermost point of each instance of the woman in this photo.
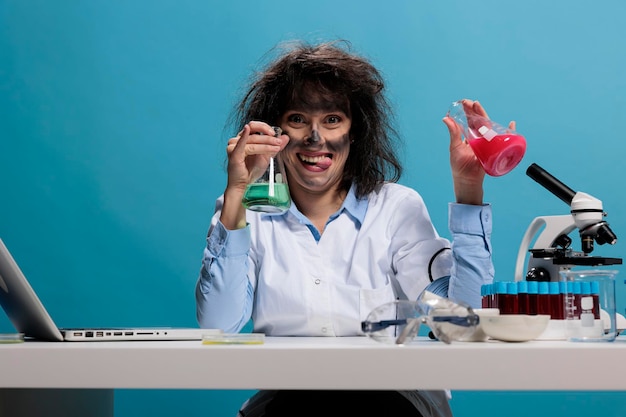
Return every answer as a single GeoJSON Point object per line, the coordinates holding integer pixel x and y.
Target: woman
{"type": "Point", "coordinates": [353, 238]}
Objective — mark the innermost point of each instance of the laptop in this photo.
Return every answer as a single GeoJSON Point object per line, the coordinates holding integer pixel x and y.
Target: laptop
{"type": "Point", "coordinates": [29, 316]}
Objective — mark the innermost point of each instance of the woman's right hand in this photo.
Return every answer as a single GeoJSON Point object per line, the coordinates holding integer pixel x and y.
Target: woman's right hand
{"type": "Point", "coordinates": [250, 151]}
{"type": "Point", "coordinates": [249, 154]}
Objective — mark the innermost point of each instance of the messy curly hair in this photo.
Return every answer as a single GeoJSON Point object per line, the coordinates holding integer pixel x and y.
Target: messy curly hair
{"type": "Point", "coordinates": [333, 74]}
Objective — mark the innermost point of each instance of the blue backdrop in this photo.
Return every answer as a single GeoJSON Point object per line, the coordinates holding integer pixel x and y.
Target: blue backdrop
{"type": "Point", "coordinates": [112, 141]}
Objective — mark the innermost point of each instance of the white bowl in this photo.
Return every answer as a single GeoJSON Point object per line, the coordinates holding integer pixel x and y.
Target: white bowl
{"type": "Point", "coordinates": [479, 335]}
{"type": "Point", "coordinates": [514, 327]}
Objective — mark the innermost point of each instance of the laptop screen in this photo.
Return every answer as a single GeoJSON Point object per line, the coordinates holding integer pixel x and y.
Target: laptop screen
{"type": "Point", "coordinates": [20, 302]}
{"type": "Point", "coordinates": [29, 316]}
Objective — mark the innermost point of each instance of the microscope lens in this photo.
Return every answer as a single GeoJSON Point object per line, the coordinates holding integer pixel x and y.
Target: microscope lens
{"type": "Point", "coordinates": [605, 235]}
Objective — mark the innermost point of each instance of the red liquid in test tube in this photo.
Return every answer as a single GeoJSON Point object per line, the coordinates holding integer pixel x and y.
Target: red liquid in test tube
{"type": "Point", "coordinates": [522, 297]}
{"type": "Point", "coordinates": [572, 300]}
{"type": "Point", "coordinates": [595, 293]}
{"type": "Point", "coordinates": [533, 297]}
{"type": "Point", "coordinates": [543, 299]}
{"type": "Point", "coordinates": [556, 301]}
{"type": "Point", "coordinates": [500, 296]}
{"type": "Point", "coordinates": [569, 304]}
{"type": "Point", "coordinates": [562, 294]}
{"type": "Point", "coordinates": [485, 293]}
{"type": "Point", "coordinates": [512, 298]}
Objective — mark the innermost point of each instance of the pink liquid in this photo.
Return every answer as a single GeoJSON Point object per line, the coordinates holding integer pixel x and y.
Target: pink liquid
{"type": "Point", "coordinates": [501, 154]}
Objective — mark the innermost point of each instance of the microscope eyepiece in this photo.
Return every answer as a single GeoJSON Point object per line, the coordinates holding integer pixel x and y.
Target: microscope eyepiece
{"type": "Point", "coordinates": [550, 183]}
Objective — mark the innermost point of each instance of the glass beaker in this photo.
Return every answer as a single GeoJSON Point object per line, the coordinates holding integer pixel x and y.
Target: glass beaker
{"type": "Point", "coordinates": [589, 305]}
{"type": "Point", "coordinates": [498, 149]}
{"type": "Point", "coordinates": [269, 193]}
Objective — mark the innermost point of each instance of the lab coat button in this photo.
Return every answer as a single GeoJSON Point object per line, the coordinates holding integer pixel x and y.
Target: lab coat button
{"type": "Point", "coordinates": [317, 281]}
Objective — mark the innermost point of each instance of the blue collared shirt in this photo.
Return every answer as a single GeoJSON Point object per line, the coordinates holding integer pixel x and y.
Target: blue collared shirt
{"type": "Point", "coordinates": [293, 281]}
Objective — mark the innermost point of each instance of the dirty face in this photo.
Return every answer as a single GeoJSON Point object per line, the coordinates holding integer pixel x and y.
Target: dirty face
{"type": "Point", "coordinates": [318, 147]}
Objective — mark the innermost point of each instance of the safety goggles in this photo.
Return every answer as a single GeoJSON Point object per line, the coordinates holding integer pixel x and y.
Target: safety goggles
{"type": "Point", "coordinates": [398, 322]}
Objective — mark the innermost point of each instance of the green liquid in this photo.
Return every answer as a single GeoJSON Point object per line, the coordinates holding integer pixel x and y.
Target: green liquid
{"type": "Point", "coordinates": [257, 197]}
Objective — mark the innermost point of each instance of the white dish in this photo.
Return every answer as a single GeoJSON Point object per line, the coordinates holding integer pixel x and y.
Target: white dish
{"type": "Point", "coordinates": [514, 327]}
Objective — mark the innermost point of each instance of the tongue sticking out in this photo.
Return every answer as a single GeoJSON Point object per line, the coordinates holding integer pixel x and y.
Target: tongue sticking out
{"type": "Point", "coordinates": [318, 163]}
{"type": "Point", "coordinates": [324, 163]}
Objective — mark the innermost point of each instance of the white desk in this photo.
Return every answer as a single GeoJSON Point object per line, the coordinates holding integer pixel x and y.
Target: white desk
{"type": "Point", "coordinates": [96, 368]}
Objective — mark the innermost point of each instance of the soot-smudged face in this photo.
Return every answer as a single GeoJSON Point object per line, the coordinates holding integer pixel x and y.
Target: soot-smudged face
{"type": "Point", "coordinates": [318, 148]}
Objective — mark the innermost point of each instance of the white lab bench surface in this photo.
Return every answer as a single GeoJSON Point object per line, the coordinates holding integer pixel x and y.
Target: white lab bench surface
{"type": "Point", "coordinates": [79, 372]}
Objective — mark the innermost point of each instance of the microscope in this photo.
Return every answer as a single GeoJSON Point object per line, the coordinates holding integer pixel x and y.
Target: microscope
{"type": "Point", "coordinates": [551, 252]}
